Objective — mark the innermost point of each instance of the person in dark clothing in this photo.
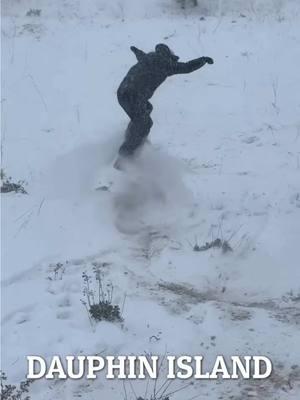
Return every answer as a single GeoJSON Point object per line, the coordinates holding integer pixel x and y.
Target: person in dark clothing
{"type": "Point", "coordinates": [139, 85]}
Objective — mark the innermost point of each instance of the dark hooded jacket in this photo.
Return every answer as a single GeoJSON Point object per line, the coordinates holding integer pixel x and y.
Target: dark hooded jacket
{"type": "Point", "coordinates": [153, 68]}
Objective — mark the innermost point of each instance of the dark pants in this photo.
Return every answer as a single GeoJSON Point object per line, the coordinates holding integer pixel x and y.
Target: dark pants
{"type": "Point", "coordinates": [138, 109]}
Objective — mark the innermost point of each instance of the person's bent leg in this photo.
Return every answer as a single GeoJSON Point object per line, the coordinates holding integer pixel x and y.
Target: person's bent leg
{"type": "Point", "coordinates": [137, 132]}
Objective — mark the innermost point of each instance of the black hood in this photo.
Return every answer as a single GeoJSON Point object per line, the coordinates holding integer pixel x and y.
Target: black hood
{"type": "Point", "coordinates": [165, 51]}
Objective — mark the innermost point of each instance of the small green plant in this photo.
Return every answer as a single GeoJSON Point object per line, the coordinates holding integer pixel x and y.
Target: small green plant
{"type": "Point", "coordinates": [13, 392]}
{"type": "Point", "coordinates": [99, 302]}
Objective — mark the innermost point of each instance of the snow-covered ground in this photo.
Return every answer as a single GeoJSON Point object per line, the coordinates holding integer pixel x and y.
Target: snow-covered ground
{"type": "Point", "coordinates": [224, 163]}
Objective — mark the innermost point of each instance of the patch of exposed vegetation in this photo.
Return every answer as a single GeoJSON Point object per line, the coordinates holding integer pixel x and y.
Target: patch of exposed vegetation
{"type": "Point", "coordinates": [187, 3]}
{"type": "Point", "coordinates": [34, 12]}
{"type": "Point", "coordinates": [13, 392]}
{"type": "Point", "coordinates": [36, 30]}
{"type": "Point", "coordinates": [214, 244]}
{"type": "Point", "coordinates": [57, 271]}
{"type": "Point", "coordinates": [99, 302]}
{"type": "Point", "coordinates": [7, 185]}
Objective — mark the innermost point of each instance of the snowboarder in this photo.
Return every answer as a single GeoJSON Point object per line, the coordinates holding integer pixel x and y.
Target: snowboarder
{"type": "Point", "coordinates": [138, 87]}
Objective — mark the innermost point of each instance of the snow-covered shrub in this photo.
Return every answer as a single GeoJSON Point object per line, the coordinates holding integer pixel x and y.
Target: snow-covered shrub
{"type": "Point", "coordinates": [99, 302]}
{"type": "Point", "coordinates": [104, 310]}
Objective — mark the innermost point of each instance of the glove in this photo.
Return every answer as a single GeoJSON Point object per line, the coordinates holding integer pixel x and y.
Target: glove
{"type": "Point", "coordinates": [208, 60]}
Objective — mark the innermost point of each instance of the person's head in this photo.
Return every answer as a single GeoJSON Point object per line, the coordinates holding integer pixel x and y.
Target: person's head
{"type": "Point", "coordinates": [164, 50]}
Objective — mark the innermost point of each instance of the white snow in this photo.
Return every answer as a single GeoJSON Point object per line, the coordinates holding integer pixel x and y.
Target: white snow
{"type": "Point", "coordinates": [224, 163]}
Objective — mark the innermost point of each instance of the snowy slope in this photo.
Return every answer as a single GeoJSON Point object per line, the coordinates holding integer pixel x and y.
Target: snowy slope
{"type": "Point", "coordinates": [224, 163]}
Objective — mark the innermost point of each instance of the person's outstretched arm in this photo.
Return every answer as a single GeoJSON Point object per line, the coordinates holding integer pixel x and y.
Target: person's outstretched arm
{"type": "Point", "coordinates": [138, 53]}
{"type": "Point", "coordinates": [190, 66]}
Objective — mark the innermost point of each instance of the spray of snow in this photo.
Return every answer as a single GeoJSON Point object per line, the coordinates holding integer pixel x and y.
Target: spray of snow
{"type": "Point", "coordinates": [152, 190]}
